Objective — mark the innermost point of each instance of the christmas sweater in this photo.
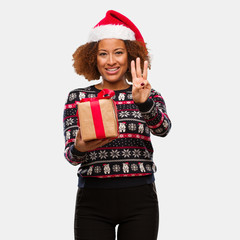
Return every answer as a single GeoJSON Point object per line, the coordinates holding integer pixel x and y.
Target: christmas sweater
{"type": "Point", "coordinates": [131, 154]}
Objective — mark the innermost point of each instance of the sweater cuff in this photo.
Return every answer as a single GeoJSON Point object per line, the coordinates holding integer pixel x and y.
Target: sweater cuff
{"type": "Point", "coordinates": [146, 106]}
{"type": "Point", "coordinates": [75, 152]}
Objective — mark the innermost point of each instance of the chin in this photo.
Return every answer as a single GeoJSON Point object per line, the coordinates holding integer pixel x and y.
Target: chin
{"type": "Point", "coordinates": [112, 79]}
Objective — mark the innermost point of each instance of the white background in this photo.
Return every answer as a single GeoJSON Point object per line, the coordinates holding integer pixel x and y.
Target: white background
{"type": "Point", "coordinates": [196, 59]}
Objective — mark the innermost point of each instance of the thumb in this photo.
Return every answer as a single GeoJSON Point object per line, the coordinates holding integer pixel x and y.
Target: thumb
{"type": "Point", "coordinates": [79, 136]}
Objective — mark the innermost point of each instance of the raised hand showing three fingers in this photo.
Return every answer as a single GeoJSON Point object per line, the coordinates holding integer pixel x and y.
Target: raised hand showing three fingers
{"type": "Point", "coordinates": [141, 87]}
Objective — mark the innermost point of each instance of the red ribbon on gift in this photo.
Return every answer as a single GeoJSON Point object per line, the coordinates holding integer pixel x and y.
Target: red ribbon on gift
{"type": "Point", "coordinates": [104, 94]}
{"type": "Point", "coordinates": [96, 111]}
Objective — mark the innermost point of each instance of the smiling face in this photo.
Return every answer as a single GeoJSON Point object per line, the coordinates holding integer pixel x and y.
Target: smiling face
{"type": "Point", "coordinates": [112, 61]}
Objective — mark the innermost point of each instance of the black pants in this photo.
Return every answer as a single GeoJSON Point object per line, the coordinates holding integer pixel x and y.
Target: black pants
{"type": "Point", "coordinates": [133, 209]}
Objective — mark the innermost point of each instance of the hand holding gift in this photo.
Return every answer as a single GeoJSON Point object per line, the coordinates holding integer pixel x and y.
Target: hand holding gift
{"type": "Point", "coordinates": [83, 146]}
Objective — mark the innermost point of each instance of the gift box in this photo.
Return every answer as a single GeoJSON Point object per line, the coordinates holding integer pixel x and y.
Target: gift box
{"type": "Point", "coordinates": [98, 116]}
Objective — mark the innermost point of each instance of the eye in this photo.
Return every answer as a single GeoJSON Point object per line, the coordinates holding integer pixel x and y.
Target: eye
{"type": "Point", "coordinates": [119, 52]}
{"type": "Point", "coordinates": [102, 54]}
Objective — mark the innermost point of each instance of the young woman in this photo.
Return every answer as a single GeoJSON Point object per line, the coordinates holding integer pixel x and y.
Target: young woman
{"type": "Point", "coordinates": [116, 176]}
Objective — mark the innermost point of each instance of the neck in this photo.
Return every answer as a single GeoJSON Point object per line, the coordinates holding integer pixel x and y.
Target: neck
{"type": "Point", "coordinates": [112, 86]}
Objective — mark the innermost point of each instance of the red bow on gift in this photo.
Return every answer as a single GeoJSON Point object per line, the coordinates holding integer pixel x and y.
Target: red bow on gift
{"type": "Point", "coordinates": [104, 94]}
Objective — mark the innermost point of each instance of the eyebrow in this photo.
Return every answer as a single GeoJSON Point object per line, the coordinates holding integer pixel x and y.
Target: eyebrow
{"type": "Point", "coordinates": [113, 50]}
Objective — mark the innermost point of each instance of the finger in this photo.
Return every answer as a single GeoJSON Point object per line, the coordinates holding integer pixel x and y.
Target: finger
{"type": "Point", "coordinates": [133, 69]}
{"type": "Point", "coordinates": [99, 142]}
{"type": "Point", "coordinates": [79, 136]}
{"type": "Point", "coordinates": [138, 66]}
{"type": "Point", "coordinates": [102, 142]}
{"type": "Point", "coordinates": [145, 70]}
{"type": "Point", "coordinates": [94, 142]}
{"type": "Point", "coordinates": [107, 140]}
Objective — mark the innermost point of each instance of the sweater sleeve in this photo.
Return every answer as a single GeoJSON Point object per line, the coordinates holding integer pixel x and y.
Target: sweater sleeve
{"type": "Point", "coordinates": [70, 127]}
{"type": "Point", "coordinates": [155, 114]}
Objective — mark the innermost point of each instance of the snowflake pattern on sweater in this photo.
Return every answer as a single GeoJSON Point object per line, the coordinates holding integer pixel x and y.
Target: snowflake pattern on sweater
{"type": "Point", "coordinates": [131, 154]}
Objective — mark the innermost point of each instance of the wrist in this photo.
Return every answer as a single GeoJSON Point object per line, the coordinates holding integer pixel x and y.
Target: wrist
{"type": "Point", "coordinates": [76, 151]}
{"type": "Point", "coordinates": [145, 106]}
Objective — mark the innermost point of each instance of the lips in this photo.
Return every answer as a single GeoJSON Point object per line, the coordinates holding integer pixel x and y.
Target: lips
{"type": "Point", "coordinates": [112, 70]}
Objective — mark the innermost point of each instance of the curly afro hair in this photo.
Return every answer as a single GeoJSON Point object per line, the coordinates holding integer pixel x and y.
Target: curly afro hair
{"type": "Point", "coordinates": [85, 58]}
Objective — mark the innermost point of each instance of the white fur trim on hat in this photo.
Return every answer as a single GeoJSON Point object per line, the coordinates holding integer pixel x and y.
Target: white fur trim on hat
{"type": "Point", "coordinates": [111, 31]}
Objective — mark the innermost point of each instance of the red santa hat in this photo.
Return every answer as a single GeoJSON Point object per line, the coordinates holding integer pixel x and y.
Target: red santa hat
{"type": "Point", "coordinates": [115, 25]}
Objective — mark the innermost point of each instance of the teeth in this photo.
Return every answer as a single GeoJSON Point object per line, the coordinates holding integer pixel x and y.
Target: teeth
{"type": "Point", "coordinates": [112, 69]}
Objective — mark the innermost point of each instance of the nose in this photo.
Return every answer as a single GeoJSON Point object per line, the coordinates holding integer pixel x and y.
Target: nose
{"type": "Point", "coordinates": [111, 59]}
